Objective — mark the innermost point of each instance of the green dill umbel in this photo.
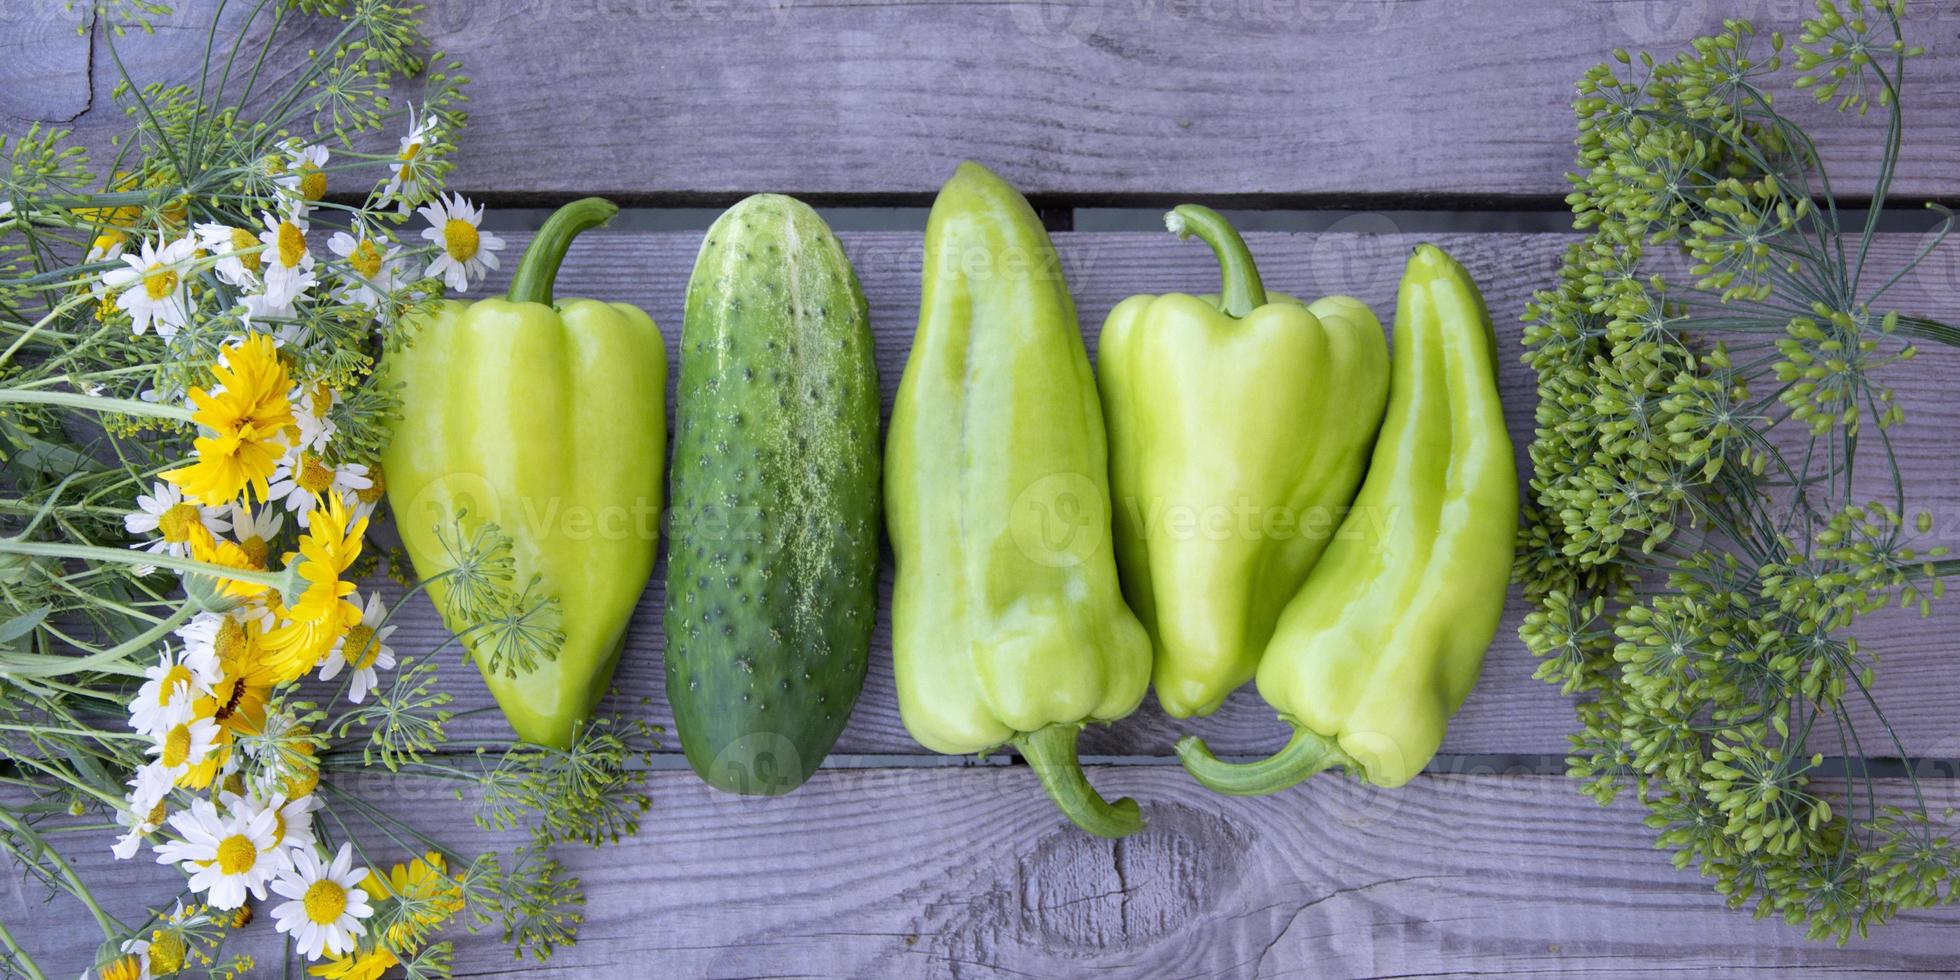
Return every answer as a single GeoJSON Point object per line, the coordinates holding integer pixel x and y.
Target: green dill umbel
{"type": "Point", "coordinates": [1698, 549]}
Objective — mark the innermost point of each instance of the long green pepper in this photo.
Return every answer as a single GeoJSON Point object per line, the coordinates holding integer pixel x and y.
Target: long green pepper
{"type": "Point", "coordinates": [1008, 624]}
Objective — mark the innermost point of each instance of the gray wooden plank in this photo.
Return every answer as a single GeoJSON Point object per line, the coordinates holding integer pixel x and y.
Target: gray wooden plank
{"type": "Point", "coordinates": [1088, 99]}
{"type": "Point", "coordinates": [44, 66]}
{"type": "Point", "coordinates": [1509, 712]}
{"type": "Point", "coordinates": [965, 873]}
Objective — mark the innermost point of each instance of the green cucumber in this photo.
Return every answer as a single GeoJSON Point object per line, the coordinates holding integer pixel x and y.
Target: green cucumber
{"type": "Point", "coordinates": [772, 559]}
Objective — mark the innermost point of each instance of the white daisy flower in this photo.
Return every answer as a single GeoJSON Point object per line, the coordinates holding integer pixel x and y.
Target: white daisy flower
{"type": "Point", "coordinates": [202, 636]}
{"type": "Point", "coordinates": [256, 532]}
{"type": "Point", "coordinates": [107, 246]}
{"type": "Point", "coordinates": [172, 686]}
{"type": "Point", "coordinates": [405, 184]}
{"type": "Point", "coordinates": [326, 903]}
{"type": "Point", "coordinates": [376, 264]}
{"type": "Point", "coordinates": [300, 477]}
{"type": "Point", "coordinates": [148, 787]}
{"type": "Point", "coordinates": [287, 263]}
{"type": "Point", "coordinates": [312, 404]}
{"type": "Point", "coordinates": [139, 820]}
{"type": "Point", "coordinates": [6, 210]}
{"type": "Point", "coordinates": [467, 252]}
{"type": "Point", "coordinates": [164, 512]}
{"type": "Point", "coordinates": [294, 827]}
{"type": "Point", "coordinates": [306, 173]}
{"type": "Point", "coordinates": [362, 648]}
{"type": "Point", "coordinates": [226, 856]}
{"type": "Point", "coordinates": [153, 286]}
{"type": "Point", "coordinates": [237, 250]}
{"type": "Point", "coordinates": [264, 313]}
{"type": "Point", "coordinates": [184, 744]}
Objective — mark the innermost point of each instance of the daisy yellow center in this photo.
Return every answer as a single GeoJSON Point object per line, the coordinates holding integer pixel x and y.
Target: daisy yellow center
{"type": "Point", "coordinates": [178, 674]}
{"type": "Point", "coordinates": [360, 646]}
{"type": "Point", "coordinates": [407, 156]}
{"type": "Point", "coordinates": [377, 485]}
{"type": "Point", "coordinates": [166, 953]}
{"type": "Point", "coordinates": [312, 182]}
{"type": "Point", "coordinates": [160, 281]}
{"type": "Point", "coordinates": [366, 259]}
{"type": "Point", "coordinates": [156, 814]}
{"type": "Point", "coordinates": [177, 521]}
{"type": "Point", "coordinates": [325, 900]}
{"type": "Point", "coordinates": [292, 244]}
{"type": "Point", "coordinates": [242, 240]}
{"type": "Point", "coordinates": [127, 967]}
{"type": "Point", "coordinates": [176, 746]}
{"type": "Point", "coordinates": [279, 825]}
{"type": "Point", "coordinates": [237, 854]}
{"type": "Point", "coordinates": [301, 782]}
{"type": "Point", "coordinates": [460, 239]}
{"type": "Point", "coordinates": [230, 642]}
{"type": "Point", "coordinates": [313, 475]}
{"type": "Point", "coordinates": [108, 240]}
{"type": "Point", "coordinates": [255, 549]}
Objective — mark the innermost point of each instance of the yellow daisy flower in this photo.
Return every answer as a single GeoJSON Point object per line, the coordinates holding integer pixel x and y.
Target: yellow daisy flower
{"type": "Point", "coordinates": [322, 614]}
{"type": "Point", "coordinates": [250, 419]}
{"type": "Point", "coordinates": [424, 883]}
{"type": "Point", "coordinates": [213, 550]}
{"type": "Point", "coordinates": [358, 966]}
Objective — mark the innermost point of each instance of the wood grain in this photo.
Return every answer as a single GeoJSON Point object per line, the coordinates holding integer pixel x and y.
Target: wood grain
{"type": "Point", "coordinates": [971, 873]}
{"type": "Point", "coordinates": [1509, 712]}
{"type": "Point", "coordinates": [1282, 101]}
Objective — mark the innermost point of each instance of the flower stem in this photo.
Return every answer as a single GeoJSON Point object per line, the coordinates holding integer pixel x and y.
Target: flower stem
{"type": "Point", "coordinates": [105, 661]}
{"type": "Point", "coordinates": [18, 957]}
{"type": "Point", "coordinates": [89, 552]}
{"type": "Point", "coordinates": [25, 833]}
{"type": "Point", "coordinates": [95, 403]}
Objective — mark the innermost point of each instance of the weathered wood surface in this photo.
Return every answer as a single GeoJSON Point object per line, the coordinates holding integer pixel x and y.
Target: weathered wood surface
{"type": "Point", "coordinates": [970, 873]}
{"type": "Point", "coordinates": [942, 869]}
{"type": "Point", "coordinates": [1084, 100]}
{"type": "Point", "coordinates": [1509, 712]}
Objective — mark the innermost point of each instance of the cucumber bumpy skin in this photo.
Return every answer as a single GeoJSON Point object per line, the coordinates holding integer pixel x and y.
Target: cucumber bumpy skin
{"type": "Point", "coordinates": [773, 553]}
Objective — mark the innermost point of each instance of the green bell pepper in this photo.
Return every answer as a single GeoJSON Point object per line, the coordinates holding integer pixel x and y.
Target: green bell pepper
{"type": "Point", "coordinates": [1239, 426]}
{"type": "Point", "coordinates": [544, 426]}
{"type": "Point", "coordinates": [1008, 624]}
{"type": "Point", "coordinates": [1383, 643]}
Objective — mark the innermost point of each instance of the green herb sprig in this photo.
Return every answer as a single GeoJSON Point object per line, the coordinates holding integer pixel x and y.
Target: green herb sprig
{"type": "Point", "coordinates": [1697, 552]}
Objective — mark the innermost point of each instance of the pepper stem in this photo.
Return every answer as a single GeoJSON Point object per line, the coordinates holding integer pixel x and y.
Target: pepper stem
{"type": "Point", "coordinates": [1308, 753]}
{"type": "Point", "coordinates": [1240, 290]}
{"type": "Point", "coordinates": [1051, 751]}
{"type": "Point", "coordinates": [537, 271]}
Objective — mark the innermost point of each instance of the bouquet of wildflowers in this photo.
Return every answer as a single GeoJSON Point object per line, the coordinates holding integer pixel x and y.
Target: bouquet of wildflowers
{"type": "Point", "coordinates": [189, 427]}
